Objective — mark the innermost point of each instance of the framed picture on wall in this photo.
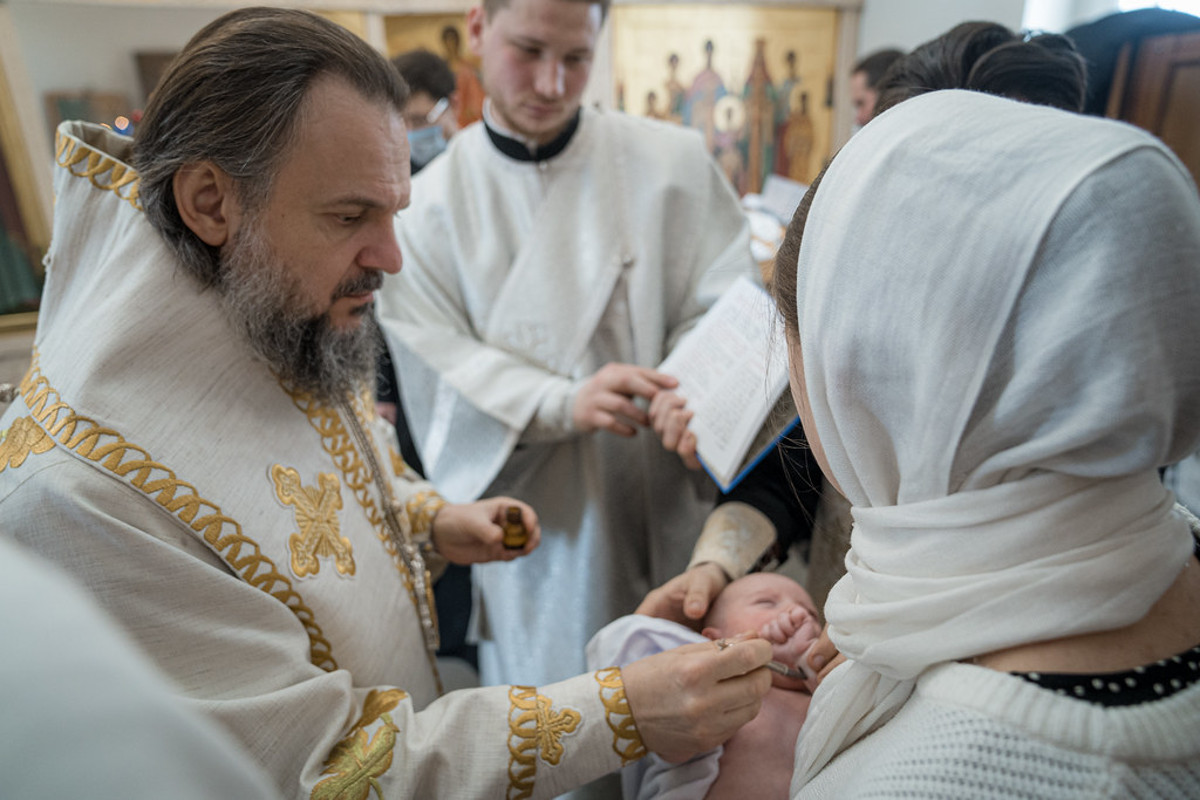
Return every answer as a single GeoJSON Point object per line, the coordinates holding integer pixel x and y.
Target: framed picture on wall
{"type": "Point", "coordinates": [756, 81]}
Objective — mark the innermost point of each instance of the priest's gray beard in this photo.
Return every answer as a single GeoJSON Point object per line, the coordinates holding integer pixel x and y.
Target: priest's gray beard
{"type": "Point", "coordinates": [267, 302]}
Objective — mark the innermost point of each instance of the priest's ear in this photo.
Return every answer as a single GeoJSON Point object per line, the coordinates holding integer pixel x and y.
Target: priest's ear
{"type": "Point", "coordinates": [207, 201]}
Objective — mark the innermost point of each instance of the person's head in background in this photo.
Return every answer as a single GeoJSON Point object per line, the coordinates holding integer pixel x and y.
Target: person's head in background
{"type": "Point", "coordinates": [864, 79]}
{"type": "Point", "coordinates": [774, 605]}
{"type": "Point", "coordinates": [431, 113]}
{"type": "Point", "coordinates": [536, 56]}
{"type": "Point", "coordinates": [1044, 69]}
{"type": "Point", "coordinates": [451, 41]}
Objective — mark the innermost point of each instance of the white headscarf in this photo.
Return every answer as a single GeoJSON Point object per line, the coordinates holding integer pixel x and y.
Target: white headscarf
{"type": "Point", "coordinates": [1000, 330]}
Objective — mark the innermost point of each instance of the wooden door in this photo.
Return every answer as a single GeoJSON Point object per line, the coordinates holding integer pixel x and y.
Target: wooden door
{"type": "Point", "coordinates": [1162, 94]}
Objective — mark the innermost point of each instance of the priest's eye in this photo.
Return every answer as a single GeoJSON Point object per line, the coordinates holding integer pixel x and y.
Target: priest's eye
{"type": "Point", "coordinates": [349, 219]}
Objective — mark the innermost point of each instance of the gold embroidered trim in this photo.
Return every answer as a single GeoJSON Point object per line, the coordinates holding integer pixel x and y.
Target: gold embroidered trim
{"type": "Point", "coordinates": [339, 444]}
{"type": "Point", "coordinates": [535, 728]}
{"type": "Point", "coordinates": [316, 510]}
{"type": "Point", "coordinates": [627, 742]}
{"type": "Point", "coordinates": [127, 461]}
{"type": "Point", "coordinates": [356, 762]}
{"type": "Point", "coordinates": [122, 180]}
{"type": "Point", "coordinates": [399, 468]}
{"type": "Point", "coordinates": [22, 439]}
{"type": "Point", "coordinates": [422, 507]}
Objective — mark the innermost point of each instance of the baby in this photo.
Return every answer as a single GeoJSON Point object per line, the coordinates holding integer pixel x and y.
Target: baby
{"type": "Point", "coordinates": [757, 761]}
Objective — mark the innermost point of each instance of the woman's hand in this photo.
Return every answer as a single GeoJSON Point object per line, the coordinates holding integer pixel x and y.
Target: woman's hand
{"type": "Point", "coordinates": [471, 533]}
{"type": "Point", "coordinates": [821, 659]}
{"type": "Point", "coordinates": [685, 598]}
{"type": "Point", "coordinates": [692, 698]}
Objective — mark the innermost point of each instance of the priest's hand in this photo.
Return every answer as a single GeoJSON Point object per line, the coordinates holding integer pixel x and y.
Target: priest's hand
{"type": "Point", "coordinates": [685, 598]}
{"type": "Point", "coordinates": [471, 533]}
{"type": "Point", "coordinates": [606, 399]}
{"type": "Point", "coordinates": [692, 698]}
{"type": "Point", "coordinates": [669, 416]}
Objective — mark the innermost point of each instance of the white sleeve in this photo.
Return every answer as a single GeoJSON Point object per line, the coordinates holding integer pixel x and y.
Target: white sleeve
{"type": "Point", "coordinates": [630, 638]}
{"type": "Point", "coordinates": [241, 658]}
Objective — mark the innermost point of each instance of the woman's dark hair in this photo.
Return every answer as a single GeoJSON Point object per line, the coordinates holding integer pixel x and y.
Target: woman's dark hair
{"type": "Point", "coordinates": [783, 276]}
{"type": "Point", "coordinates": [982, 56]}
{"type": "Point", "coordinates": [234, 96]}
{"type": "Point", "coordinates": [1044, 69]}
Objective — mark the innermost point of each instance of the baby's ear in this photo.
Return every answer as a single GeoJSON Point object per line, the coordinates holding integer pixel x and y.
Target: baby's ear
{"type": "Point", "coordinates": [711, 633]}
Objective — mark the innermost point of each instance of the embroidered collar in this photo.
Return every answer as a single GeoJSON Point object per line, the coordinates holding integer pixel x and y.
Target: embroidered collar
{"type": "Point", "coordinates": [520, 151]}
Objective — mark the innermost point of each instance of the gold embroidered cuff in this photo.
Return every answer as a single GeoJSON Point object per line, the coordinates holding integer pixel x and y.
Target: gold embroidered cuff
{"type": "Point", "coordinates": [627, 741]}
{"type": "Point", "coordinates": [734, 537]}
{"type": "Point", "coordinates": [421, 508]}
{"type": "Point", "coordinates": [536, 729]}
{"type": "Point", "coordinates": [357, 762]}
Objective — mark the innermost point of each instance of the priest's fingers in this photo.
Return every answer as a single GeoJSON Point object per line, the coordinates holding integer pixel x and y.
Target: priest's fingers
{"type": "Point", "coordinates": [600, 404]}
{"type": "Point", "coordinates": [469, 533]}
{"type": "Point", "coordinates": [529, 519]}
{"type": "Point", "coordinates": [663, 407]}
{"type": "Point", "coordinates": [633, 381]}
{"type": "Point", "coordinates": [674, 430]}
{"type": "Point", "coordinates": [387, 411]}
{"type": "Point", "coordinates": [692, 698]}
{"type": "Point", "coordinates": [623, 409]}
{"type": "Point", "coordinates": [613, 423]}
{"type": "Point", "coordinates": [687, 450]}
{"type": "Point", "coordinates": [670, 419]}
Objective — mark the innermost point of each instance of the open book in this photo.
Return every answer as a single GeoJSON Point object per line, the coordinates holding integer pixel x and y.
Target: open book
{"type": "Point", "coordinates": [732, 370]}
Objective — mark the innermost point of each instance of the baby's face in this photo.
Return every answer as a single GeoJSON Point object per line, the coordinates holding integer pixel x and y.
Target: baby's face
{"type": "Point", "coordinates": [773, 605]}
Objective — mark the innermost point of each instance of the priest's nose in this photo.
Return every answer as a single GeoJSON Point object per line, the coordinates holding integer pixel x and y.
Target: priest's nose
{"type": "Point", "coordinates": [382, 253]}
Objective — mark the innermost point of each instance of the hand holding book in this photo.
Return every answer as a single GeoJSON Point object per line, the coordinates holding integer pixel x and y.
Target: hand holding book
{"type": "Point", "coordinates": [732, 372]}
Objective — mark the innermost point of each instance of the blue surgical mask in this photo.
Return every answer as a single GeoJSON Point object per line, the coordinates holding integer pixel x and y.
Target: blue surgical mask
{"type": "Point", "coordinates": [424, 144]}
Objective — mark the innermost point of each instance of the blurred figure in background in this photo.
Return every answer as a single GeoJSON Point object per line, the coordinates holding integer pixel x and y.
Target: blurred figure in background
{"type": "Point", "coordinates": [863, 80]}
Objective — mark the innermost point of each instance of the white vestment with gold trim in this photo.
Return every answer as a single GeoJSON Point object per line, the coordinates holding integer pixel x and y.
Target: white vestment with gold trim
{"type": "Point", "coordinates": [237, 531]}
{"type": "Point", "coordinates": [520, 280]}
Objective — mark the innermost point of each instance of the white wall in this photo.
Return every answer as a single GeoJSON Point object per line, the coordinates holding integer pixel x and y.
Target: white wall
{"type": "Point", "coordinates": [88, 46]}
{"type": "Point", "coordinates": [908, 23]}
{"type": "Point", "coordinates": [1058, 15]}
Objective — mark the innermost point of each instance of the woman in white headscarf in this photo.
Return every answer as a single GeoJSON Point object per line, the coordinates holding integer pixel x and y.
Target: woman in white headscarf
{"type": "Point", "coordinates": [994, 327]}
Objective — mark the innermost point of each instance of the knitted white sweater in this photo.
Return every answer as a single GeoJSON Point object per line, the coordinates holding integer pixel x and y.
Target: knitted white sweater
{"type": "Point", "coordinates": [970, 733]}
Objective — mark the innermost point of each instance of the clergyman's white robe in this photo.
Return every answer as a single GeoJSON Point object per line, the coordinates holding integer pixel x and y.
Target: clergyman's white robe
{"type": "Point", "coordinates": [520, 280]}
{"type": "Point", "coordinates": [239, 531]}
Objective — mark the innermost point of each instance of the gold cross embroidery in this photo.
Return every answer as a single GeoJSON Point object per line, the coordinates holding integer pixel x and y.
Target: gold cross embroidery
{"type": "Point", "coordinates": [24, 438]}
{"type": "Point", "coordinates": [316, 515]}
{"type": "Point", "coordinates": [551, 726]}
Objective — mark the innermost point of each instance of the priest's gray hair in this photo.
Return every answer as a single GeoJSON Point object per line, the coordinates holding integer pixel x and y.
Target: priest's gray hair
{"type": "Point", "coordinates": [233, 97]}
